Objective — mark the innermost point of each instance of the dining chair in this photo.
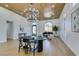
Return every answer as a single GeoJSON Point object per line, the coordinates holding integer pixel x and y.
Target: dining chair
{"type": "Point", "coordinates": [20, 37]}
{"type": "Point", "coordinates": [27, 45]}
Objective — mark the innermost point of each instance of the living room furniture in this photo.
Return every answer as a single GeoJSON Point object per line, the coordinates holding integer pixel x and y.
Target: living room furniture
{"type": "Point", "coordinates": [47, 34]}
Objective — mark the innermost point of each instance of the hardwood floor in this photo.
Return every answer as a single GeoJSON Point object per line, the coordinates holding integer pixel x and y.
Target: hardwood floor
{"type": "Point", "coordinates": [54, 47]}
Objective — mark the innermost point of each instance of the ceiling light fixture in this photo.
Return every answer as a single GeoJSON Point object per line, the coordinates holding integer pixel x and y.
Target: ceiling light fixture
{"type": "Point", "coordinates": [53, 6]}
{"type": "Point", "coordinates": [48, 12]}
{"type": "Point", "coordinates": [6, 5]}
{"type": "Point", "coordinates": [31, 13]}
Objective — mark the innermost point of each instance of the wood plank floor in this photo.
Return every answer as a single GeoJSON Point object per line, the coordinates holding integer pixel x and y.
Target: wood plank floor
{"type": "Point", "coordinates": [54, 47]}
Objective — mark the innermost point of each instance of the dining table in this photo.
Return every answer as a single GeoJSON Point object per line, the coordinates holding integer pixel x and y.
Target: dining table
{"type": "Point", "coordinates": [35, 40]}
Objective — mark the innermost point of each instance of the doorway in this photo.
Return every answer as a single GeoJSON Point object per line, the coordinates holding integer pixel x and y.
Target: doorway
{"type": "Point", "coordinates": [9, 30]}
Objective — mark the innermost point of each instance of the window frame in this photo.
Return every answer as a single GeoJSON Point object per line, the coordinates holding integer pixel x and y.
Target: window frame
{"type": "Point", "coordinates": [36, 29]}
{"type": "Point", "coordinates": [48, 27]}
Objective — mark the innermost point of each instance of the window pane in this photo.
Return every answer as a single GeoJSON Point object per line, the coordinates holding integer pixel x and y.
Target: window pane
{"type": "Point", "coordinates": [48, 27]}
{"type": "Point", "coordinates": [34, 30]}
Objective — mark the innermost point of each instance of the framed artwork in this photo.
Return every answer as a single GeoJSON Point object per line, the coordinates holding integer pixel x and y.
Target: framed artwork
{"type": "Point", "coordinates": [21, 28]}
{"type": "Point", "coordinates": [75, 21]}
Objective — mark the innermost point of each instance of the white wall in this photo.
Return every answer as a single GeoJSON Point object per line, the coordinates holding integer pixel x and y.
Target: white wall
{"type": "Point", "coordinates": [30, 27]}
{"type": "Point", "coordinates": [7, 15]}
{"type": "Point", "coordinates": [16, 19]}
{"type": "Point", "coordinates": [42, 24]}
{"type": "Point", "coordinates": [70, 38]}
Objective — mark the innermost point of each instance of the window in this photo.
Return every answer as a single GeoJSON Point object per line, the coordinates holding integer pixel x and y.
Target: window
{"type": "Point", "coordinates": [48, 27]}
{"type": "Point", "coordinates": [34, 29]}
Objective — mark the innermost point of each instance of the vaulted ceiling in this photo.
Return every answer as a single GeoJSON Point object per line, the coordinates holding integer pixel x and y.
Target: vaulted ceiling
{"type": "Point", "coordinates": [20, 7]}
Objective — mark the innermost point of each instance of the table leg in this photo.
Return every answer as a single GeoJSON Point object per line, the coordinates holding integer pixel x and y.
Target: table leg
{"type": "Point", "coordinates": [34, 50]}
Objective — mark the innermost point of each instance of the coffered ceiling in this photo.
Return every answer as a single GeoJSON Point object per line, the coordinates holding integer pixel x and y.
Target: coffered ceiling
{"type": "Point", "coordinates": [20, 7]}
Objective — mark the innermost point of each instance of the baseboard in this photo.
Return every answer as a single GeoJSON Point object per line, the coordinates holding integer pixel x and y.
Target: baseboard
{"type": "Point", "coordinates": [3, 41]}
{"type": "Point", "coordinates": [67, 47]}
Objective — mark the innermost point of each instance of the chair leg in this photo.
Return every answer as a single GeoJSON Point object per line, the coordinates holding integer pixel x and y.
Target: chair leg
{"type": "Point", "coordinates": [26, 49]}
{"type": "Point", "coordinates": [34, 50]}
{"type": "Point", "coordinates": [30, 47]}
{"type": "Point", "coordinates": [20, 45]}
{"type": "Point", "coordinates": [19, 49]}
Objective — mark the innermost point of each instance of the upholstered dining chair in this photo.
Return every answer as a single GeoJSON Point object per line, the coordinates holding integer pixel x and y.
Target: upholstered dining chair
{"type": "Point", "coordinates": [20, 37]}
{"type": "Point", "coordinates": [27, 45]}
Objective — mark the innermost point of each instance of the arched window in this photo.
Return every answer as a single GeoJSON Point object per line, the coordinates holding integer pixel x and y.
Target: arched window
{"type": "Point", "coordinates": [48, 27]}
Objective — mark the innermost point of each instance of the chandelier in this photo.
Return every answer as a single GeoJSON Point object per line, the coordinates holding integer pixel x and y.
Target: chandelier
{"type": "Point", "coordinates": [31, 13]}
{"type": "Point", "coordinates": [49, 11]}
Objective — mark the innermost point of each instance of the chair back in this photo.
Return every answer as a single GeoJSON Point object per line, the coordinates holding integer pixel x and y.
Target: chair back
{"type": "Point", "coordinates": [21, 35]}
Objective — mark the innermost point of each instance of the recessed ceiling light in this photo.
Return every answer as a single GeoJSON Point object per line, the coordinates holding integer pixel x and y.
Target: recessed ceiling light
{"type": "Point", "coordinates": [6, 5]}
{"type": "Point", "coordinates": [25, 10]}
{"type": "Point", "coordinates": [47, 14]}
{"type": "Point", "coordinates": [53, 6]}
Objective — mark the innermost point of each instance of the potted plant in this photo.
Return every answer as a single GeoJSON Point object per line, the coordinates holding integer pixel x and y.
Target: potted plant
{"type": "Point", "coordinates": [55, 29]}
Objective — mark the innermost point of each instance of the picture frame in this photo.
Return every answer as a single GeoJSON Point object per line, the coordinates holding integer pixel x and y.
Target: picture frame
{"type": "Point", "coordinates": [75, 21]}
{"type": "Point", "coordinates": [21, 28]}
